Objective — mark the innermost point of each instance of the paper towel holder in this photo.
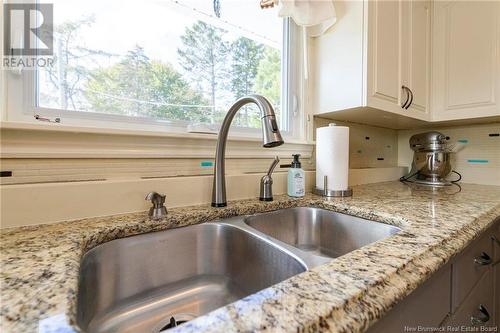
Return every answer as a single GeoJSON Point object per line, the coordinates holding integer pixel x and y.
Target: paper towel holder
{"type": "Point", "coordinates": [325, 192]}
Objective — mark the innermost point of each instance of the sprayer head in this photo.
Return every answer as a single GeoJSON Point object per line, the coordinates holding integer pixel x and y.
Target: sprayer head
{"type": "Point", "coordinates": [271, 136]}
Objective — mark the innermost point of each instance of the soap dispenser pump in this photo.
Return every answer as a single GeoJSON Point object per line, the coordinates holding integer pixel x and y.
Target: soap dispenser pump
{"type": "Point", "coordinates": [296, 178]}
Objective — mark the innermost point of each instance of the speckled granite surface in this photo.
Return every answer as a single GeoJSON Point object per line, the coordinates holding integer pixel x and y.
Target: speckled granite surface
{"type": "Point", "coordinates": [39, 265]}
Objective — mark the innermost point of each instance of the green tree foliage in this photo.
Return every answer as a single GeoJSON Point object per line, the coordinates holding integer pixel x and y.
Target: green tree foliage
{"type": "Point", "coordinates": [246, 55]}
{"type": "Point", "coordinates": [268, 80]}
{"type": "Point", "coordinates": [203, 56]}
{"type": "Point", "coordinates": [137, 86]}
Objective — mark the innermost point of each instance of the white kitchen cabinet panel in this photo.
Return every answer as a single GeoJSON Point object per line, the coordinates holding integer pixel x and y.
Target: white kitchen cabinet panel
{"type": "Point", "coordinates": [374, 49]}
{"type": "Point", "coordinates": [337, 61]}
{"type": "Point", "coordinates": [466, 59]}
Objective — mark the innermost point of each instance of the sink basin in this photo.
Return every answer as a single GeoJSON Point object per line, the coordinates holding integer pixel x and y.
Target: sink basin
{"type": "Point", "coordinates": [148, 283]}
{"type": "Point", "coordinates": [318, 231]}
{"type": "Point", "coordinates": [152, 282]}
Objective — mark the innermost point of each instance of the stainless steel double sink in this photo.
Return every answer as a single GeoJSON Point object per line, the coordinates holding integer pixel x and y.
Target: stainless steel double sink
{"type": "Point", "coordinates": [155, 281]}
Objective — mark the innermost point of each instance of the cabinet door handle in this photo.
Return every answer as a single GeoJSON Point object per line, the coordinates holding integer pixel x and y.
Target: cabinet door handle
{"type": "Point", "coordinates": [411, 98]}
{"type": "Point", "coordinates": [483, 259]}
{"type": "Point", "coordinates": [482, 318]}
{"type": "Point", "coordinates": [405, 89]}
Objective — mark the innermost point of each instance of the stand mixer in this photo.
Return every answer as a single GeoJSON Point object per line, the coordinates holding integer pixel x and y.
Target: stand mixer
{"type": "Point", "coordinates": [431, 159]}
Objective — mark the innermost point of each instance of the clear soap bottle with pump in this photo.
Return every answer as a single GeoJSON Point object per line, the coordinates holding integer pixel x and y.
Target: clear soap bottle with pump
{"type": "Point", "coordinates": [296, 178]}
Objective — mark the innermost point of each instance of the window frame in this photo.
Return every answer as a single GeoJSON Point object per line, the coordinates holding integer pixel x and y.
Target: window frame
{"type": "Point", "coordinates": [21, 97]}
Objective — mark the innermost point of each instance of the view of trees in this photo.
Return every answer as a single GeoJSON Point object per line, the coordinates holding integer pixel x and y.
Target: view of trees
{"type": "Point", "coordinates": [203, 57]}
{"type": "Point", "coordinates": [138, 86]}
{"type": "Point", "coordinates": [268, 78]}
{"type": "Point", "coordinates": [213, 72]}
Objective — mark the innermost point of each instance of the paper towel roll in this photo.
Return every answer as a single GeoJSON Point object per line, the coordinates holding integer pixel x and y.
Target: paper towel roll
{"type": "Point", "coordinates": [332, 157]}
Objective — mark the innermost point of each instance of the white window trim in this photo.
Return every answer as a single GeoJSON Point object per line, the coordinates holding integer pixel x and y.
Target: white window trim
{"type": "Point", "coordinates": [19, 92]}
{"type": "Point", "coordinates": [28, 140]}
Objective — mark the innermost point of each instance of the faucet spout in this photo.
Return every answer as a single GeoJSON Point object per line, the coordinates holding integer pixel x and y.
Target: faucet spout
{"type": "Point", "coordinates": [271, 137]}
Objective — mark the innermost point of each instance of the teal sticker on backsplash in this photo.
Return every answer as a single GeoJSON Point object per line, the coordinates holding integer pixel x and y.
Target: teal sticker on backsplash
{"type": "Point", "coordinates": [463, 141]}
{"type": "Point", "coordinates": [207, 164]}
{"type": "Point", "coordinates": [477, 161]}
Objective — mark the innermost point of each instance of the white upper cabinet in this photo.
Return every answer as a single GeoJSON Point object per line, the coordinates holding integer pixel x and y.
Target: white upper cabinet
{"type": "Point", "coordinates": [466, 59]}
{"type": "Point", "coordinates": [408, 62]}
{"type": "Point", "coordinates": [381, 46]}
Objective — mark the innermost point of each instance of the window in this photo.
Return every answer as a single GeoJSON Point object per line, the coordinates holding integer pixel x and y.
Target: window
{"type": "Point", "coordinates": [163, 62]}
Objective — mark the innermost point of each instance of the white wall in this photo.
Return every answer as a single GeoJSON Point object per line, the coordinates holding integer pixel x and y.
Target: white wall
{"type": "Point", "coordinates": [52, 201]}
{"type": "Point", "coordinates": [369, 146]}
{"type": "Point", "coordinates": [52, 183]}
{"type": "Point", "coordinates": [30, 204]}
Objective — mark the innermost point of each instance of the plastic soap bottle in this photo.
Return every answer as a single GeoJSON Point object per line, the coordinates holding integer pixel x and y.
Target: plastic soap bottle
{"type": "Point", "coordinates": [296, 178]}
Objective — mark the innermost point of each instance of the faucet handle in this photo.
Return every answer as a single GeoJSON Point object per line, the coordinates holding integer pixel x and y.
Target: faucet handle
{"type": "Point", "coordinates": [158, 200]}
{"type": "Point", "coordinates": [266, 183]}
{"type": "Point", "coordinates": [273, 165]}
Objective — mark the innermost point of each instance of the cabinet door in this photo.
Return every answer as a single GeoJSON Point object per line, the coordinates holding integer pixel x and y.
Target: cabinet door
{"type": "Point", "coordinates": [398, 54]}
{"type": "Point", "coordinates": [384, 37]}
{"type": "Point", "coordinates": [426, 306]}
{"type": "Point", "coordinates": [468, 268]}
{"type": "Point", "coordinates": [466, 59]}
{"type": "Point", "coordinates": [477, 309]}
{"type": "Point", "coordinates": [416, 52]}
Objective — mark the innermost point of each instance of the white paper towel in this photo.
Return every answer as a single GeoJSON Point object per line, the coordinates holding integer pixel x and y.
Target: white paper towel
{"type": "Point", "coordinates": [332, 157]}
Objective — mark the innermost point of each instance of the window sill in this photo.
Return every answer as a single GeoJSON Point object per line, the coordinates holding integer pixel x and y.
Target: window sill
{"type": "Point", "coordinates": [51, 127]}
{"type": "Point", "coordinates": [46, 140]}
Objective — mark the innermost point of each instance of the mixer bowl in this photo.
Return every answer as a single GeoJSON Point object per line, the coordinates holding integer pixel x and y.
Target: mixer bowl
{"type": "Point", "coordinates": [433, 166]}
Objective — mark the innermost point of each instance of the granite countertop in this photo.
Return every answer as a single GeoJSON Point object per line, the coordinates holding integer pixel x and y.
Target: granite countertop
{"type": "Point", "coordinates": [39, 264]}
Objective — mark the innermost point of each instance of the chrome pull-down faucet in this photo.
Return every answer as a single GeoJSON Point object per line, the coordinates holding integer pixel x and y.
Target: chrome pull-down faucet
{"type": "Point", "coordinates": [271, 137]}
